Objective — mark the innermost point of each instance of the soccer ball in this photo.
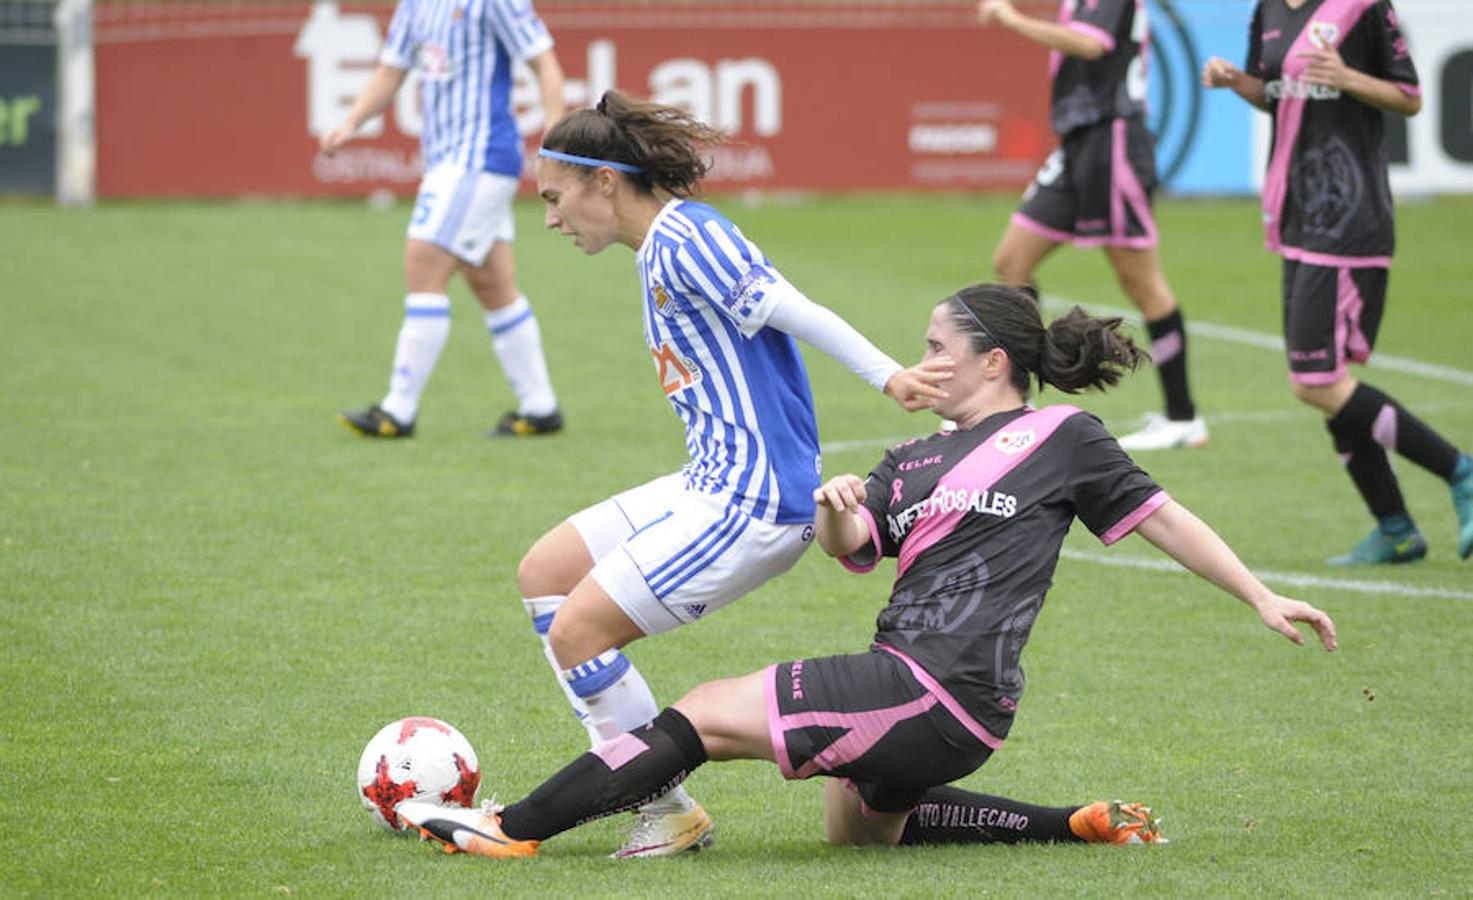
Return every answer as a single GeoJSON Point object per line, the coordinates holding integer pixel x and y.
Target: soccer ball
{"type": "Point", "coordinates": [417, 758]}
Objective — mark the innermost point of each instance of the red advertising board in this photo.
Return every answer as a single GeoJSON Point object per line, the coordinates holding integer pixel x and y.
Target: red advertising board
{"type": "Point", "coordinates": [229, 99]}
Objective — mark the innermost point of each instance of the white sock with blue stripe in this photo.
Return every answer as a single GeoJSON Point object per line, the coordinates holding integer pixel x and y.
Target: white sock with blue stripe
{"type": "Point", "coordinates": [517, 339]}
{"type": "Point", "coordinates": [421, 338]}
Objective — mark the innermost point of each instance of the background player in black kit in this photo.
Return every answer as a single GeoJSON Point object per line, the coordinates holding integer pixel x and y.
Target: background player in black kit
{"type": "Point", "coordinates": [1095, 189]}
{"type": "Point", "coordinates": [1326, 70]}
{"type": "Point", "coordinates": [975, 518]}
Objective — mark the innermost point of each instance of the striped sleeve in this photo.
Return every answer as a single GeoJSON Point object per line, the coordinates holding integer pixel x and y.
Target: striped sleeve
{"type": "Point", "coordinates": [398, 49]}
{"type": "Point", "coordinates": [519, 28]}
{"type": "Point", "coordinates": [725, 269]}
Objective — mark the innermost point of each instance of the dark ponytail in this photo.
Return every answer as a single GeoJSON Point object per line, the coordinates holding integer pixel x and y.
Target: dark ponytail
{"type": "Point", "coordinates": [1075, 352]}
{"type": "Point", "coordinates": [663, 142]}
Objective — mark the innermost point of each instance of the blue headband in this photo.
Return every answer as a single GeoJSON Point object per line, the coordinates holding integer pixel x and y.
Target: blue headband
{"type": "Point", "coordinates": [590, 161]}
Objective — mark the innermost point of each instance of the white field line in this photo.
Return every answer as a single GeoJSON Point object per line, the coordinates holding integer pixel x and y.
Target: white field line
{"type": "Point", "coordinates": [1253, 416]}
{"type": "Point", "coordinates": [1294, 579]}
{"type": "Point", "coordinates": [1276, 343]}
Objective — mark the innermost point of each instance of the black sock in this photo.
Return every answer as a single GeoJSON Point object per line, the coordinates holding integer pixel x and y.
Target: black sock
{"type": "Point", "coordinates": [1169, 353]}
{"type": "Point", "coordinates": [1391, 426]}
{"type": "Point", "coordinates": [623, 774]}
{"type": "Point", "coordinates": [950, 815]}
{"type": "Point", "coordinates": [1365, 460]}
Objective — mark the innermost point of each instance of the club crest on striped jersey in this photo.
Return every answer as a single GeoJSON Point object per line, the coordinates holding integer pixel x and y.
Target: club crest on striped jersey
{"type": "Point", "coordinates": [433, 62]}
{"type": "Point", "coordinates": [676, 372]}
{"type": "Point", "coordinates": [663, 304]}
{"type": "Point", "coordinates": [1014, 442]}
{"type": "Point", "coordinates": [1323, 34]}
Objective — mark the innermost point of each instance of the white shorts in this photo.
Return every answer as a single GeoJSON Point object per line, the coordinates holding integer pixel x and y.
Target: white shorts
{"type": "Point", "coordinates": [463, 212]}
{"type": "Point", "coordinates": [669, 556]}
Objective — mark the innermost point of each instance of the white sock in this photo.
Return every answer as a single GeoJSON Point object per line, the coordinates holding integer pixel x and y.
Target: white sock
{"type": "Point", "coordinates": [619, 700]}
{"type": "Point", "coordinates": [517, 340]}
{"type": "Point", "coordinates": [541, 610]}
{"type": "Point", "coordinates": [421, 338]}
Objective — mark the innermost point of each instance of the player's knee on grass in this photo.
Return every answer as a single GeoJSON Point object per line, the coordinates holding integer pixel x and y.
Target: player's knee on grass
{"type": "Point", "coordinates": [846, 823]}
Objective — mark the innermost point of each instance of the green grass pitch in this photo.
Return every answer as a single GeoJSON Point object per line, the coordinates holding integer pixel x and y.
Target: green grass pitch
{"type": "Point", "coordinates": [212, 595]}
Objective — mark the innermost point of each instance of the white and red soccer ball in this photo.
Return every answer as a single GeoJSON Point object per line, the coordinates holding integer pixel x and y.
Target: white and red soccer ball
{"type": "Point", "coordinates": [418, 758]}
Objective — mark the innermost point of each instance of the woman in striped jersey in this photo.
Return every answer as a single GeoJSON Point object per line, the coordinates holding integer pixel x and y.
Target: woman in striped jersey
{"type": "Point", "coordinates": [720, 323]}
{"type": "Point", "coordinates": [463, 52]}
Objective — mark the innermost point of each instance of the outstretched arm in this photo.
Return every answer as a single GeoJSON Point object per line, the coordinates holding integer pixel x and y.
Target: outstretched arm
{"type": "Point", "coordinates": [913, 388]}
{"type": "Point", "coordinates": [1052, 35]}
{"type": "Point", "coordinates": [1189, 541]}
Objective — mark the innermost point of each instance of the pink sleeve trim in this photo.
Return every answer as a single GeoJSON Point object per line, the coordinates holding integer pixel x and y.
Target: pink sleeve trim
{"type": "Point", "coordinates": [1099, 34]}
{"type": "Point", "coordinates": [874, 539]}
{"type": "Point", "coordinates": [1411, 90]}
{"type": "Point", "coordinates": [1128, 524]}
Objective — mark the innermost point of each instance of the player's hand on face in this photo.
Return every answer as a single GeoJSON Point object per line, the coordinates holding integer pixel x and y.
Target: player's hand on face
{"type": "Point", "coordinates": [1325, 67]}
{"type": "Point", "coordinates": [1218, 72]}
{"type": "Point", "coordinates": [842, 493]}
{"type": "Point", "coordinates": [919, 386]}
{"type": "Point", "coordinates": [1280, 614]}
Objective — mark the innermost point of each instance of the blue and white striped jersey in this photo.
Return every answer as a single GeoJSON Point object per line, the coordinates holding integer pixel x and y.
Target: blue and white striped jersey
{"type": "Point", "coordinates": [740, 388]}
{"type": "Point", "coordinates": [463, 51]}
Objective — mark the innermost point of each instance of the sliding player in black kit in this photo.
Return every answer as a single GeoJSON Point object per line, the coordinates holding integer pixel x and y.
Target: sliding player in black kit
{"type": "Point", "coordinates": [976, 519]}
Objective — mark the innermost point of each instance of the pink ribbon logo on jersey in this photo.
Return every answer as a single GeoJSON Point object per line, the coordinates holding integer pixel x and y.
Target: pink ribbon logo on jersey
{"type": "Point", "coordinates": [895, 488]}
{"type": "Point", "coordinates": [1014, 442]}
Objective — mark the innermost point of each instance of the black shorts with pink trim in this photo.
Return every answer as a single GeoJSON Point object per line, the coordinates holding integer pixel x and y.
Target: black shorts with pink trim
{"type": "Point", "coordinates": [1095, 190]}
{"type": "Point", "coordinates": [1331, 316]}
{"type": "Point", "coordinates": [866, 718]}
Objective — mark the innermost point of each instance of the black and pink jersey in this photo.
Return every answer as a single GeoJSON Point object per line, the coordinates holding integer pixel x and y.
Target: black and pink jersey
{"type": "Point", "coordinates": [1326, 197]}
{"type": "Point", "coordinates": [1111, 87]}
{"type": "Point", "coordinates": [975, 519]}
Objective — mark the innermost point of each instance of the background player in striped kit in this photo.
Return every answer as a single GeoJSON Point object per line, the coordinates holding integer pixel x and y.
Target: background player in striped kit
{"type": "Point", "coordinates": [720, 322]}
{"type": "Point", "coordinates": [1326, 70]}
{"type": "Point", "coordinates": [976, 519]}
{"type": "Point", "coordinates": [463, 51]}
{"type": "Point", "coordinates": [1095, 190]}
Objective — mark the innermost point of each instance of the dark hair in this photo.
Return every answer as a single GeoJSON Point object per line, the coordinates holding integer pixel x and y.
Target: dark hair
{"type": "Point", "coordinates": [662, 141]}
{"type": "Point", "coordinates": [1076, 351]}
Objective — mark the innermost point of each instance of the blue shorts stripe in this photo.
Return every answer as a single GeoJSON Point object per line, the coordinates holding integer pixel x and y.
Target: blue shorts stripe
{"type": "Point", "coordinates": [709, 550]}
{"type": "Point", "coordinates": [695, 546]}
{"type": "Point", "coordinates": [711, 557]}
{"type": "Point", "coordinates": [543, 622]}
